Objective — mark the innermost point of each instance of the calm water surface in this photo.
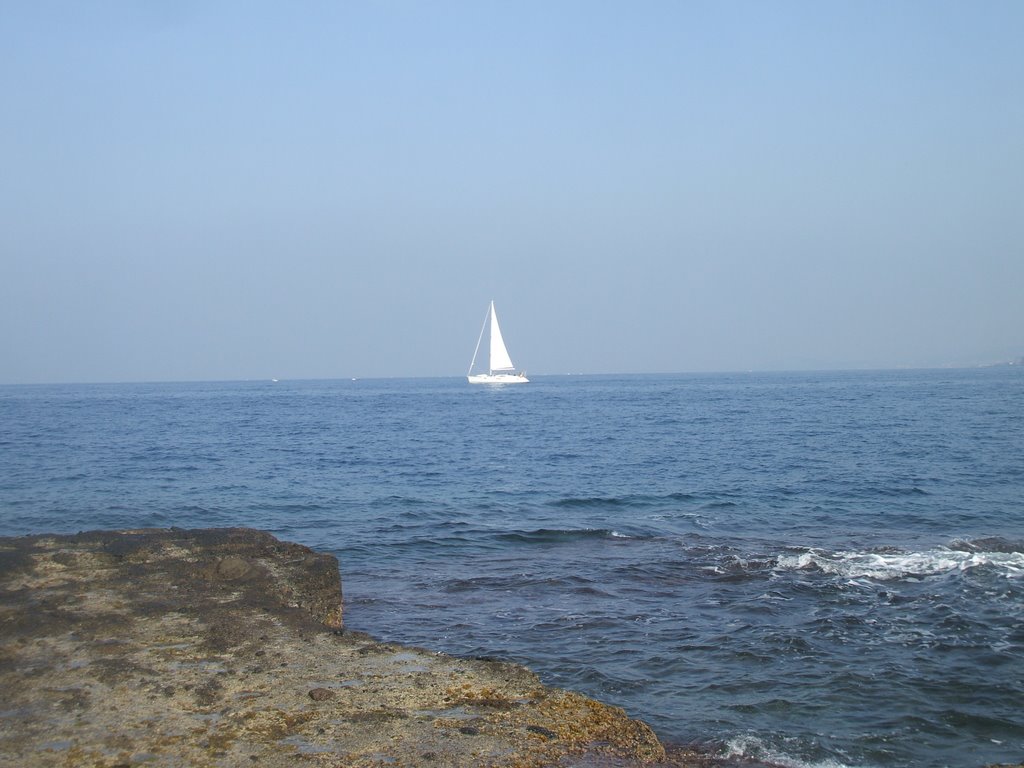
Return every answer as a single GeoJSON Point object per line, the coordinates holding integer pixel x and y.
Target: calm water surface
{"type": "Point", "coordinates": [813, 569]}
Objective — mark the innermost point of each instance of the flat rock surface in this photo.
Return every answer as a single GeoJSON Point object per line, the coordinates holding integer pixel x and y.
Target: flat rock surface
{"type": "Point", "coordinates": [225, 647]}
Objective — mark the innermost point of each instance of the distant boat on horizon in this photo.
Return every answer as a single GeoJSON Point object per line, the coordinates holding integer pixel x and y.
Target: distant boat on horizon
{"type": "Point", "coordinates": [500, 369]}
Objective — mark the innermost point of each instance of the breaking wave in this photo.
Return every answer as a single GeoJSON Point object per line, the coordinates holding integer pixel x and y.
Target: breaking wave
{"type": "Point", "coordinates": [890, 565]}
{"type": "Point", "coordinates": [753, 749]}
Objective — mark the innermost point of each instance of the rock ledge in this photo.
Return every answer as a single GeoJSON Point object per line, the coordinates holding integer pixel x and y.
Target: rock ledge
{"type": "Point", "coordinates": [224, 647]}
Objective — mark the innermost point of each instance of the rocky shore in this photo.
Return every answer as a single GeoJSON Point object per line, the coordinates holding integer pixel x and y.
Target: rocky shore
{"type": "Point", "coordinates": [226, 647]}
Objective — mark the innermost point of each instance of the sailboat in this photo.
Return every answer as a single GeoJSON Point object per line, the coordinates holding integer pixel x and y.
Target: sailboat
{"type": "Point", "coordinates": [499, 369]}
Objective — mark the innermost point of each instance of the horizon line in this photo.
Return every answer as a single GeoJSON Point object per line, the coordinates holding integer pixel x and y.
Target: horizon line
{"type": "Point", "coordinates": [1018, 362]}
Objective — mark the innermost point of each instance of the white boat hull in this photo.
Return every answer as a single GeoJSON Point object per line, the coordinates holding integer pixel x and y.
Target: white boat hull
{"type": "Point", "coordinates": [498, 378]}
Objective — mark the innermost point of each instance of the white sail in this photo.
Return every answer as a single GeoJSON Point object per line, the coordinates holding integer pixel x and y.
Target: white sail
{"type": "Point", "coordinates": [500, 361]}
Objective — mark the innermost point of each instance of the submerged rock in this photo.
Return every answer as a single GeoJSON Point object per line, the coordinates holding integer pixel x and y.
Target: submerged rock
{"type": "Point", "coordinates": [225, 647]}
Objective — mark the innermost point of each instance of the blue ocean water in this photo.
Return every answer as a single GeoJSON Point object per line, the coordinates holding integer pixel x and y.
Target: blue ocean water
{"type": "Point", "coordinates": [813, 569]}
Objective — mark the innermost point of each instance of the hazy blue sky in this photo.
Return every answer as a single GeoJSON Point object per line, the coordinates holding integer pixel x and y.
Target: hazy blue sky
{"type": "Point", "coordinates": [221, 190]}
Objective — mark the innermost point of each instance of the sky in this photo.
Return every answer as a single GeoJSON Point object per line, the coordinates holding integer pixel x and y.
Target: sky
{"type": "Point", "coordinates": [239, 190]}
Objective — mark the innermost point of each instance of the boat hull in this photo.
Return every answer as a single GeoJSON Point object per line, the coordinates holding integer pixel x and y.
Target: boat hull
{"type": "Point", "coordinates": [498, 378]}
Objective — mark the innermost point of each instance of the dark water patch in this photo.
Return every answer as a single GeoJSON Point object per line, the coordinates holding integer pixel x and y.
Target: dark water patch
{"type": "Point", "coordinates": [403, 503]}
{"type": "Point", "coordinates": [718, 505]}
{"type": "Point", "coordinates": [902, 491]}
{"type": "Point", "coordinates": [515, 581]}
{"type": "Point", "coordinates": [560, 536]}
{"type": "Point", "coordinates": [290, 508]}
{"type": "Point", "coordinates": [431, 545]}
{"type": "Point", "coordinates": [989, 544]}
{"type": "Point", "coordinates": [632, 501]}
{"type": "Point", "coordinates": [567, 457]}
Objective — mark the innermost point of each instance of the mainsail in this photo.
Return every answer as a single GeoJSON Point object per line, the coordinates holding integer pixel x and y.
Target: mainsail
{"type": "Point", "coordinates": [500, 361]}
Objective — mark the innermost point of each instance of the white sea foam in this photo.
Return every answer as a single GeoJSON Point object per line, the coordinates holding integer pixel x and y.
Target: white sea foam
{"type": "Point", "coordinates": [752, 748]}
{"type": "Point", "coordinates": [903, 565]}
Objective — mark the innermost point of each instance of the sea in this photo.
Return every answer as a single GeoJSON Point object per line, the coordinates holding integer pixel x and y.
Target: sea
{"type": "Point", "coordinates": [801, 569]}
